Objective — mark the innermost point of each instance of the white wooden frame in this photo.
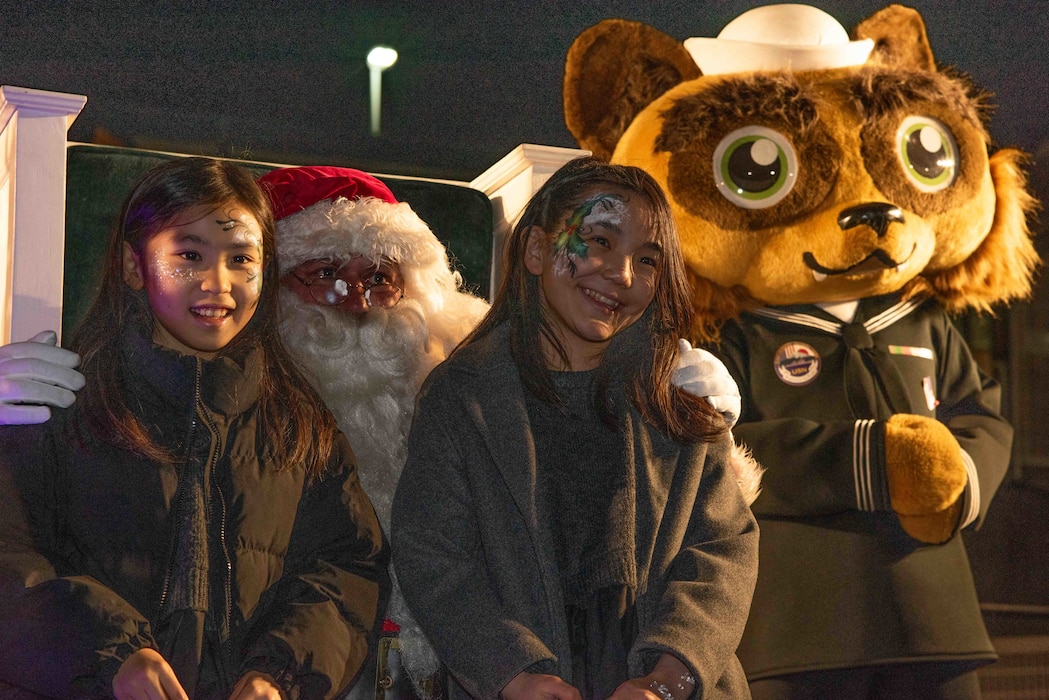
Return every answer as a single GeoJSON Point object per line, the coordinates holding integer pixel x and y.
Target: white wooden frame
{"type": "Point", "coordinates": [33, 135]}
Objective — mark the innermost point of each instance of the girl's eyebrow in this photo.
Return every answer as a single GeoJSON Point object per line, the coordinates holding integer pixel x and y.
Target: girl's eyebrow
{"type": "Point", "coordinates": [240, 242]}
{"type": "Point", "coordinates": [192, 238]}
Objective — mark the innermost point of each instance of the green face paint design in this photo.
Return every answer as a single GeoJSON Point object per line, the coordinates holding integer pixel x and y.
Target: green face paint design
{"type": "Point", "coordinates": [569, 245]}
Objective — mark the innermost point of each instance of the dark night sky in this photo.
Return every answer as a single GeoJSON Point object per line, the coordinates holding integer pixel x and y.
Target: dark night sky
{"type": "Point", "coordinates": [265, 81]}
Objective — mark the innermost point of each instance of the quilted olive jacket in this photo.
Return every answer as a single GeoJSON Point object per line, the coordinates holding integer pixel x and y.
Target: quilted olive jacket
{"type": "Point", "coordinates": [86, 530]}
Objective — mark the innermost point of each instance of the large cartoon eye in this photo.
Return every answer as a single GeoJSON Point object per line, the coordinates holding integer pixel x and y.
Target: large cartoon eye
{"type": "Point", "coordinates": [928, 153]}
{"type": "Point", "coordinates": [755, 167]}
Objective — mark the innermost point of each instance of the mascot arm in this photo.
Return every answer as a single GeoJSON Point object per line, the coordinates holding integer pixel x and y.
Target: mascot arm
{"type": "Point", "coordinates": [970, 405]}
{"type": "Point", "coordinates": [942, 471]}
{"type": "Point", "coordinates": [813, 468]}
{"type": "Point", "coordinates": [968, 443]}
{"type": "Point", "coordinates": [910, 464]}
{"type": "Point", "coordinates": [973, 446]}
{"type": "Point", "coordinates": [938, 474]}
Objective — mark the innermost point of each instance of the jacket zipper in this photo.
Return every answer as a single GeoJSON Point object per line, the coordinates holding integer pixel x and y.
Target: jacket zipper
{"type": "Point", "coordinates": [216, 444]}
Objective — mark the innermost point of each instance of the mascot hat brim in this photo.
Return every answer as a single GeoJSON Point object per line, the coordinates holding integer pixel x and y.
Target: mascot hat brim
{"type": "Point", "coordinates": [778, 37]}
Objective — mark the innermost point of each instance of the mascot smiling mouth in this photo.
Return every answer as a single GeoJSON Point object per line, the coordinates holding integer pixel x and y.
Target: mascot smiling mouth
{"type": "Point", "coordinates": [877, 261]}
{"type": "Point", "coordinates": [876, 216]}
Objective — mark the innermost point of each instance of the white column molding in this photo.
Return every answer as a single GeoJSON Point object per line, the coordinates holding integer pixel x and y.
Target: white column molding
{"type": "Point", "coordinates": [510, 183]}
{"type": "Point", "coordinates": [33, 134]}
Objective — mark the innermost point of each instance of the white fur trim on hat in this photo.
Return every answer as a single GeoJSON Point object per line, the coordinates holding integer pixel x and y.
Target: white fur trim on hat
{"type": "Point", "coordinates": [778, 37]}
{"type": "Point", "coordinates": [345, 228]}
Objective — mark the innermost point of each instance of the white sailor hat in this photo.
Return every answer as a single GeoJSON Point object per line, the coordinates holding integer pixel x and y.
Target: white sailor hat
{"type": "Point", "coordinates": [778, 37]}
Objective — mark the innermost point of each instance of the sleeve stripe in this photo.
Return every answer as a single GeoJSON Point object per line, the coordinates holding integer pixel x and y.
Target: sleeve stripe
{"type": "Point", "coordinates": [973, 488]}
{"type": "Point", "coordinates": [861, 465]}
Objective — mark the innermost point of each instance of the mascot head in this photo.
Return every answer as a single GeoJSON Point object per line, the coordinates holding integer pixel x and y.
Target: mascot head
{"type": "Point", "coordinates": [804, 165]}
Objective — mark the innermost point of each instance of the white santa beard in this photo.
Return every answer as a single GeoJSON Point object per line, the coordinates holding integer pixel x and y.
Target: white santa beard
{"type": "Point", "coordinates": [366, 370]}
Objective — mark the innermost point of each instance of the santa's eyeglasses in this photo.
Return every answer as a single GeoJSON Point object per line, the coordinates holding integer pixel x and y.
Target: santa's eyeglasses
{"type": "Point", "coordinates": [330, 290]}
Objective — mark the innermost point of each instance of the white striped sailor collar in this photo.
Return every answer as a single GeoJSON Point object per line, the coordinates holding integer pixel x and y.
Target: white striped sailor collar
{"type": "Point", "coordinates": [880, 312]}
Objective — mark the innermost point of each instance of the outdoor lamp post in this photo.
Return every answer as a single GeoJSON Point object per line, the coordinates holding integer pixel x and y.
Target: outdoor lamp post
{"type": "Point", "coordinates": [379, 59]}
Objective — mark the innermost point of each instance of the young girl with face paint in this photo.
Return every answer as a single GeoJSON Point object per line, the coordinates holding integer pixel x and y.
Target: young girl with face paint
{"type": "Point", "coordinates": [193, 526]}
{"type": "Point", "coordinates": [568, 523]}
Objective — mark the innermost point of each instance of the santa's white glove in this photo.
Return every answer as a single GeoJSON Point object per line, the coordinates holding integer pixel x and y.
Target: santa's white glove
{"type": "Point", "coordinates": [34, 376]}
{"type": "Point", "coordinates": [700, 373]}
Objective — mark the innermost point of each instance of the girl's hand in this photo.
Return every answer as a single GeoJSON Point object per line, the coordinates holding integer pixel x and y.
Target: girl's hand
{"type": "Point", "coordinates": [525, 686]}
{"type": "Point", "coordinates": [145, 675]}
{"type": "Point", "coordinates": [669, 680]}
{"type": "Point", "coordinates": [255, 686]}
{"type": "Point", "coordinates": [637, 689]}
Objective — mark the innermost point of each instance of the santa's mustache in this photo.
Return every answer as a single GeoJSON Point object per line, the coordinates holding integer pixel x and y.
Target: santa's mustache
{"type": "Point", "coordinates": [327, 331]}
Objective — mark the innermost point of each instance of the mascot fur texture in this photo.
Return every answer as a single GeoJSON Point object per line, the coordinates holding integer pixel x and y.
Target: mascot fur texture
{"type": "Point", "coordinates": [832, 213]}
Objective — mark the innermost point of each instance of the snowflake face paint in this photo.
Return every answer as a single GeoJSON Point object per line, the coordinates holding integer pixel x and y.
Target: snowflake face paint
{"type": "Point", "coordinates": [202, 278]}
{"type": "Point", "coordinates": [569, 246]}
{"type": "Point", "coordinates": [247, 236]}
{"type": "Point", "coordinates": [599, 275]}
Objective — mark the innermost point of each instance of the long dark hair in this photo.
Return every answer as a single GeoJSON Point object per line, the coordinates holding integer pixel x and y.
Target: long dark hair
{"type": "Point", "coordinates": [642, 356]}
{"type": "Point", "coordinates": [295, 426]}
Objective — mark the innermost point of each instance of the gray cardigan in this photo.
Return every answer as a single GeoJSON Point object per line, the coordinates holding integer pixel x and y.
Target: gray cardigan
{"type": "Point", "coordinates": [476, 560]}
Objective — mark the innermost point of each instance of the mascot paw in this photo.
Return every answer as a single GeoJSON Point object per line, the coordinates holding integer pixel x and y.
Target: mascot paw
{"type": "Point", "coordinates": [936, 528]}
{"type": "Point", "coordinates": [924, 466]}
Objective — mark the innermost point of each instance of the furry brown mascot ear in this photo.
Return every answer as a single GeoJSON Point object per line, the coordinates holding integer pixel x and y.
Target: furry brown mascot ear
{"type": "Point", "coordinates": [1001, 268]}
{"type": "Point", "coordinates": [899, 38]}
{"type": "Point", "coordinates": [613, 71]}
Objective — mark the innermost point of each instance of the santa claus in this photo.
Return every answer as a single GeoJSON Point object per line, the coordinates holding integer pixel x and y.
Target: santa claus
{"type": "Point", "coordinates": [370, 305]}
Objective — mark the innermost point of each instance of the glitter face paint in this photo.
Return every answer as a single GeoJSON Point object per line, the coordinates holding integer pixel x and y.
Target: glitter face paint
{"type": "Point", "coordinates": [599, 276]}
{"type": "Point", "coordinates": [202, 278]}
{"type": "Point", "coordinates": [569, 246]}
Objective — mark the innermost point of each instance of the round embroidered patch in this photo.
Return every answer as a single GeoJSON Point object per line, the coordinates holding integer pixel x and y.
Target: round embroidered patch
{"type": "Point", "coordinates": [797, 363]}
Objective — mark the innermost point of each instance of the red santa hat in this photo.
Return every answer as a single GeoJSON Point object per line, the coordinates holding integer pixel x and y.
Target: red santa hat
{"type": "Point", "coordinates": [337, 213]}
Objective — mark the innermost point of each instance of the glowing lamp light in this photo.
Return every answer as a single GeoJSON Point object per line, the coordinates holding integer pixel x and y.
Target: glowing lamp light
{"type": "Point", "coordinates": [379, 59]}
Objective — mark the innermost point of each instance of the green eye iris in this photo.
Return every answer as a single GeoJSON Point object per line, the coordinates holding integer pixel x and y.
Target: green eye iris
{"type": "Point", "coordinates": [755, 167]}
{"type": "Point", "coordinates": [928, 153]}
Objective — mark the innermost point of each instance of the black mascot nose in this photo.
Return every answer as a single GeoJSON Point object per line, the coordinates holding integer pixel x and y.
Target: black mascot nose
{"type": "Point", "coordinates": [877, 215]}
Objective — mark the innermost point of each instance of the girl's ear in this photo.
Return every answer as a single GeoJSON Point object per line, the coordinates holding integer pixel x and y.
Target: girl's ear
{"type": "Point", "coordinates": [535, 248]}
{"type": "Point", "coordinates": [132, 268]}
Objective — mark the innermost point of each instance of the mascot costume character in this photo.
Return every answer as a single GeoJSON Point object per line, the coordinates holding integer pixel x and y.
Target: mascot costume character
{"type": "Point", "coordinates": [836, 199]}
